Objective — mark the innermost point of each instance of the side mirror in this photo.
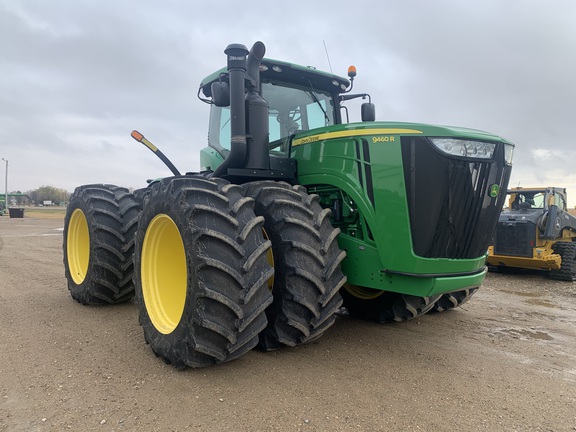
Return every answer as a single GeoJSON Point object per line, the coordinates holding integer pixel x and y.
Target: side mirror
{"type": "Point", "coordinates": [220, 94]}
{"type": "Point", "coordinates": [368, 112]}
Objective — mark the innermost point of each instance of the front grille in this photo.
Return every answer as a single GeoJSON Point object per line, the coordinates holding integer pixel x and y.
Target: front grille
{"type": "Point", "coordinates": [451, 212]}
{"type": "Point", "coordinates": [515, 238]}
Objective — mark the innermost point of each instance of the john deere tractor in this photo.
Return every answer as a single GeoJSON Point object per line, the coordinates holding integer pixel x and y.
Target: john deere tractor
{"type": "Point", "coordinates": [536, 231]}
{"type": "Point", "coordinates": [295, 213]}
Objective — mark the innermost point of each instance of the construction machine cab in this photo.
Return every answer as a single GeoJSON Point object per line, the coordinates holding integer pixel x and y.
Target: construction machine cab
{"type": "Point", "coordinates": [537, 198]}
{"type": "Point", "coordinates": [536, 231]}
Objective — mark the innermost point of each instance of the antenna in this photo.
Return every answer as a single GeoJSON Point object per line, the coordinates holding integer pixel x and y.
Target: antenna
{"type": "Point", "coordinates": [327, 56]}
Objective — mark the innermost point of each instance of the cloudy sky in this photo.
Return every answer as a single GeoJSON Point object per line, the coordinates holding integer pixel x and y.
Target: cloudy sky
{"type": "Point", "coordinates": [76, 77]}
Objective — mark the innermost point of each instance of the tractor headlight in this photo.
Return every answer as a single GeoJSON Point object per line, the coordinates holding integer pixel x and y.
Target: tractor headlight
{"type": "Point", "coordinates": [508, 152]}
{"type": "Point", "coordinates": [465, 148]}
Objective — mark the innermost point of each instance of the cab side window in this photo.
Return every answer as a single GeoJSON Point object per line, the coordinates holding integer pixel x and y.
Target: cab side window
{"type": "Point", "coordinates": [559, 201]}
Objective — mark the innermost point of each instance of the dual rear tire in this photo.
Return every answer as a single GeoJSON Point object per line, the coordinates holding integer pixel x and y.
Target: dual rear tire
{"type": "Point", "coordinates": [384, 306]}
{"type": "Point", "coordinates": [200, 257]}
{"type": "Point", "coordinates": [99, 229]}
{"type": "Point", "coordinates": [453, 300]}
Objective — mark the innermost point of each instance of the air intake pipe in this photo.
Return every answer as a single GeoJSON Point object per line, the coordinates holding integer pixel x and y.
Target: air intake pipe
{"type": "Point", "coordinates": [237, 65]}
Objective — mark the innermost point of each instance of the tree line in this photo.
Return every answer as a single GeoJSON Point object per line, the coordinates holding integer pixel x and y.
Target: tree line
{"type": "Point", "coordinates": [39, 196]}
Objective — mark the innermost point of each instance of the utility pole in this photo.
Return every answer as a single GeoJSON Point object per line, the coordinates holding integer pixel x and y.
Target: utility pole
{"type": "Point", "coordinates": [6, 185]}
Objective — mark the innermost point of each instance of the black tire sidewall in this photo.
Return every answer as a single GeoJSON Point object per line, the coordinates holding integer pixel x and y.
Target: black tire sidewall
{"type": "Point", "coordinates": [212, 217]}
{"type": "Point", "coordinates": [109, 254]}
{"type": "Point", "coordinates": [289, 263]}
{"type": "Point", "coordinates": [164, 344]}
{"type": "Point", "coordinates": [80, 292]}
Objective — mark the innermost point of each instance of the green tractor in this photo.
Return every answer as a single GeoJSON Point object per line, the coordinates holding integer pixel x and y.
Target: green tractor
{"type": "Point", "coordinates": [296, 213]}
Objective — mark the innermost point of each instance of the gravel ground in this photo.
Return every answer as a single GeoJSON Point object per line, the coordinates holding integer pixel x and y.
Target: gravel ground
{"type": "Point", "coordinates": [505, 361]}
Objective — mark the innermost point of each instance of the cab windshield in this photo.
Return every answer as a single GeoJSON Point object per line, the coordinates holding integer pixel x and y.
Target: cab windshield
{"type": "Point", "coordinates": [536, 199]}
{"type": "Point", "coordinates": [292, 110]}
{"type": "Point", "coordinates": [527, 200]}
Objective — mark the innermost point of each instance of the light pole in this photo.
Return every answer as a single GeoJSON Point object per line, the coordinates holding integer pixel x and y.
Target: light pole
{"type": "Point", "coordinates": [6, 185]}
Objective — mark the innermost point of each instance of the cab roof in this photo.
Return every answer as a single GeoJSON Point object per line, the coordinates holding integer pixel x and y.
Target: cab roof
{"type": "Point", "coordinates": [276, 70]}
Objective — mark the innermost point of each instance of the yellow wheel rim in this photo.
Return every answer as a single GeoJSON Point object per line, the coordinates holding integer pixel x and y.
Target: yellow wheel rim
{"type": "Point", "coordinates": [362, 292]}
{"type": "Point", "coordinates": [270, 259]}
{"type": "Point", "coordinates": [78, 246]}
{"type": "Point", "coordinates": [164, 273]}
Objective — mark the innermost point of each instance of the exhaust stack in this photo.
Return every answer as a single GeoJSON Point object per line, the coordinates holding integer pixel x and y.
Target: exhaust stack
{"type": "Point", "coordinates": [257, 113]}
{"type": "Point", "coordinates": [248, 111]}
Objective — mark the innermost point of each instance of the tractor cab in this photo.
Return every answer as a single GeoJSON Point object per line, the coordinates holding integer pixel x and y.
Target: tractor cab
{"type": "Point", "coordinates": [298, 99]}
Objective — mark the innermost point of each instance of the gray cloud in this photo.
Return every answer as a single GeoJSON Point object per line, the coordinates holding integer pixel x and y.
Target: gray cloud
{"type": "Point", "coordinates": [77, 77]}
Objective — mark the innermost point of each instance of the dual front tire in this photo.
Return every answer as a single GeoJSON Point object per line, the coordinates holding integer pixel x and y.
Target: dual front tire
{"type": "Point", "coordinates": [306, 258]}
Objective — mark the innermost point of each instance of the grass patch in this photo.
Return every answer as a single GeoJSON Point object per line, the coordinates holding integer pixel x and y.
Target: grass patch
{"type": "Point", "coordinates": [45, 212]}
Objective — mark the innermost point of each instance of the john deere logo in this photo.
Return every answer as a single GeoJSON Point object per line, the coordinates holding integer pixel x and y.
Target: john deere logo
{"type": "Point", "coordinates": [494, 189]}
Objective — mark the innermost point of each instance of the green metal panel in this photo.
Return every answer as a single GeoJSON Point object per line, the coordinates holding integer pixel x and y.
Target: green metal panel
{"type": "Point", "coordinates": [363, 266]}
{"type": "Point", "coordinates": [333, 156]}
{"type": "Point", "coordinates": [210, 159]}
